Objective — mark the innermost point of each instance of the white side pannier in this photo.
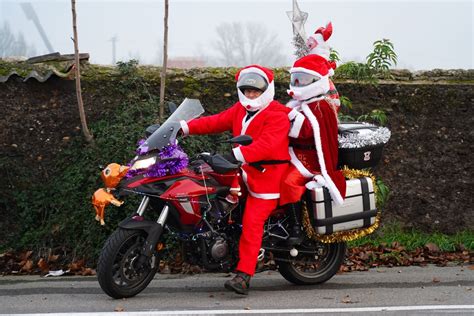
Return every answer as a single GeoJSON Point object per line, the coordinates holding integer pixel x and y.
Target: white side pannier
{"type": "Point", "coordinates": [357, 211]}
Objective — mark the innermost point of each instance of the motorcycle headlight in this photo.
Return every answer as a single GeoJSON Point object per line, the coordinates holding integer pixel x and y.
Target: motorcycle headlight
{"type": "Point", "coordinates": [143, 163]}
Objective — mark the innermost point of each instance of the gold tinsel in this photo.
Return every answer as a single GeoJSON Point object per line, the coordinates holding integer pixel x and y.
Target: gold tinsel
{"type": "Point", "coordinates": [348, 235]}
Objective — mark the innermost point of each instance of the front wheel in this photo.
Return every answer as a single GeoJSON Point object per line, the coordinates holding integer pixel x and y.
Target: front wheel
{"type": "Point", "coordinates": [118, 271]}
{"type": "Point", "coordinates": [315, 263]}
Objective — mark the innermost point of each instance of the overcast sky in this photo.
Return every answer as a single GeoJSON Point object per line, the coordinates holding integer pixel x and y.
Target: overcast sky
{"type": "Point", "coordinates": [426, 34]}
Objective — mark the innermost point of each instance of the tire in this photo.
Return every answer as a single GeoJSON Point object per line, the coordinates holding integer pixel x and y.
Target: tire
{"type": "Point", "coordinates": [117, 275]}
{"type": "Point", "coordinates": [325, 266]}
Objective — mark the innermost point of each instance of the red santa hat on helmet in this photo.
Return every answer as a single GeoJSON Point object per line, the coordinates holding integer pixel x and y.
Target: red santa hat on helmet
{"type": "Point", "coordinates": [266, 97]}
{"type": "Point", "coordinates": [318, 67]}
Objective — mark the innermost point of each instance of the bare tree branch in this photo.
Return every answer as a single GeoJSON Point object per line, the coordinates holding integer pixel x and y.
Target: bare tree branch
{"type": "Point", "coordinates": [82, 114]}
{"type": "Point", "coordinates": [14, 46]}
{"type": "Point", "coordinates": [239, 45]}
{"type": "Point", "coordinates": [165, 61]}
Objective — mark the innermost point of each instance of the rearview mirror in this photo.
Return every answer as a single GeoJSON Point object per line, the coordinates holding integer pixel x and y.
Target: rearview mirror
{"type": "Point", "coordinates": [151, 129]}
{"type": "Point", "coordinates": [172, 107]}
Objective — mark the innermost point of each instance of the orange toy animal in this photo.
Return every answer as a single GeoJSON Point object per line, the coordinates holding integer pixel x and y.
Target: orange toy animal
{"type": "Point", "coordinates": [111, 176]}
{"type": "Point", "coordinates": [100, 200]}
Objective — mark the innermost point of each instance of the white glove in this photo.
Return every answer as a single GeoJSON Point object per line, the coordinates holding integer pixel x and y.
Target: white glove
{"type": "Point", "coordinates": [317, 182]}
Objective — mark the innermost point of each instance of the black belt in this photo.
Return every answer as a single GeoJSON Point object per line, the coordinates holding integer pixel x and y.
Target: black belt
{"type": "Point", "coordinates": [301, 146]}
{"type": "Point", "coordinates": [258, 164]}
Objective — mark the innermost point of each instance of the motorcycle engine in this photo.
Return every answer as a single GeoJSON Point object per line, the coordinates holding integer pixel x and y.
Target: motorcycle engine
{"type": "Point", "coordinates": [219, 249]}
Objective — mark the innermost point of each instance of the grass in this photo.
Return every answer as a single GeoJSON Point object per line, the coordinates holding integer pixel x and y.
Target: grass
{"type": "Point", "coordinates": [412, 239]}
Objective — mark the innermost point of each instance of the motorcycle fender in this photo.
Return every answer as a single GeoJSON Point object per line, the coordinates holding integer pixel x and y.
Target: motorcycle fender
{"type": "Point", "coordinates": [153, 230]}
{"type": "Point", "coordinates": [131, 223]}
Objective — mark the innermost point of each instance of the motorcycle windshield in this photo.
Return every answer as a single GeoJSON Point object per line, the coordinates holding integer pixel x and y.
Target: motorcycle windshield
{"type": "Point", "coordinates": [166, 134]}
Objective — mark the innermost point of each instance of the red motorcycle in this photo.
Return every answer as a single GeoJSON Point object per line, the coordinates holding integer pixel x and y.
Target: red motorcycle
{"type": "Point", "coordinates": [194, 204]}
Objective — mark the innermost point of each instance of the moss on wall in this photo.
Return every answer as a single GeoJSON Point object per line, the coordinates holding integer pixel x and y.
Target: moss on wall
{"type": "Point", "coordinates": [49, 173]}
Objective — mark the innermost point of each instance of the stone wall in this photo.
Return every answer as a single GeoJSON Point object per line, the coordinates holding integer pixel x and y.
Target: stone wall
{"type": "Point", "coordinates": [427, 163]}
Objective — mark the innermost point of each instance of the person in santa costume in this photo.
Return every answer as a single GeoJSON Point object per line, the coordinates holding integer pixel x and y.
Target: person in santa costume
{"type": "Point", "coordinates": [264, 161]}
{"type": "Point", "coordinates": [313, 135]}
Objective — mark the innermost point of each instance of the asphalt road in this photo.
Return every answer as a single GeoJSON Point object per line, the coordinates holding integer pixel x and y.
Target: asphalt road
{"type": "Point", "coordinates": [413, 290]}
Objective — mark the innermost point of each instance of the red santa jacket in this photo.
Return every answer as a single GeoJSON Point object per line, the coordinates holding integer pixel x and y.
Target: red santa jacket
{"type": "Point", "coordinates": [314, 145]}
{"type": "Point", "coordinates": [268, 128]}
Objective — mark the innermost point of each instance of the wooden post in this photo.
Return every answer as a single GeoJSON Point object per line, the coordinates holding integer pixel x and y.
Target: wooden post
{"type": "Point", "coordinates": [82, 114]}
{"type": "Point", "coordinates": [165, 60]}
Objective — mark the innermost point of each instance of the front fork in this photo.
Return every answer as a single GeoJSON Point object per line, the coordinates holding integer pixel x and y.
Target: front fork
{"type": "Point", "coordinates": [153, 229]}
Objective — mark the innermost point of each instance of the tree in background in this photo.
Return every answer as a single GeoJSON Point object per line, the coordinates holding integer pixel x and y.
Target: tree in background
{"type": "Point", "coordinates": [11, 45]}
{"type": "Point", "coordinates": [165, 61]}
{"type": "Point", "coordinates": [240, 45]}
{"type": "Point", "coordinates": [82, 113]}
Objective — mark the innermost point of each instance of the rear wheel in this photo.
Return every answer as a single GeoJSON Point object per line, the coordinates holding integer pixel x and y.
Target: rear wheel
{"type": "Point", "coordinates": [119, 272]}
{"type": "Point", "coordinates": [315, 263]}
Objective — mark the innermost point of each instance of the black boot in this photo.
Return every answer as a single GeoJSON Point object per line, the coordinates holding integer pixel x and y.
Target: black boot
{"type": "Point", "coordinates": [239, 284]}
{"type": "Point", "coordinates": [296, 233]}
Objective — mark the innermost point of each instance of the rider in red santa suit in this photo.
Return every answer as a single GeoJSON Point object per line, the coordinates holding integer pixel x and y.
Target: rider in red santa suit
{"type": "Point", "coordinates": [313, 135]}
{"type": "Point", "coordinates": [266, 121]}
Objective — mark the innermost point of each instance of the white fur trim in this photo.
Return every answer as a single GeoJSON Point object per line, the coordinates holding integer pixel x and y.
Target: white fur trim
{"type": "Point", "coordinates": [306, 71]}
{"type": "Point", "coordinates": [245, 124]}
{"type": "Point", "coordinates": [238, 154]}
{"type": "Point", "coordinates": [319, 178]}
{"type": "Point", "coordinates": [335, 194]}
{"type": "Point", "coordinates": [184, 127]}
{"type": "Point", "coordinates": [293, 114]}
{"type": "Point", "coordinates": [263, 196]}
{"type": "Point", "coordinates": [294, 104]}
{"type": "Point", "coordinates": [296, 125]}
{"type": "Point", "coordinates": [254, 70]}
{"type": "Point", "coordinates": [322, 50]}
{"type": "Point", "coordinates": [258, 103]}
{"type": "Point", "coordinates": [333, 102]}
{"type": "Point", "coordinates": [298, 164]}
{"type": "Point", "coordinates": [311, 185]}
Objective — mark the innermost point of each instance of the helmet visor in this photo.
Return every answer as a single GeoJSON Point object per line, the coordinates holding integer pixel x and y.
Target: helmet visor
{"type": "Point", "coordinates": [302, 79]}
{"type": "Point", "coordinates": [252, 81]}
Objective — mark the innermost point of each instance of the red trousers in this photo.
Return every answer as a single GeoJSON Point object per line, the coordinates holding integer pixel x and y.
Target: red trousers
{"type": "Point", "coordinates": [256, 213]}
{"type": "Point", "coordinates": [293, 186]}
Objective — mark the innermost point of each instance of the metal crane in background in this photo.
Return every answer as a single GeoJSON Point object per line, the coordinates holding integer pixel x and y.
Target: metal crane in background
{"type": "Point", "coordinates": [31, 15]}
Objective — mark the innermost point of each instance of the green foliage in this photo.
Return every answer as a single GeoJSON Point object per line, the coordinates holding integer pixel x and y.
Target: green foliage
{"type": "Point", "coordinates": [376, 116]}
{"type": "Point", "coordinates": [383, 56]}
{"type": "Point", "coordinates": [412, 239]}
{"type": "Point", "coordinates": [382, 193]}
{"type": "Point", "coordinates": [356, 71]}
{"type": "Point", "coordinates": [378, 63]}
{"type": "Point", "coordinates": [346, 103]}
{"type": "Point", "coordinates": [344, 117]}
{"type": "Point", "coordinates": [334, 55]}
{"type": "Point", "coordinates": [133, 84]}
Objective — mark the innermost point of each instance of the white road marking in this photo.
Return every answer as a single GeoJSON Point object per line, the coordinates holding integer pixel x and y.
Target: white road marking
{"type": "Point", "coordinates": [268, 311]}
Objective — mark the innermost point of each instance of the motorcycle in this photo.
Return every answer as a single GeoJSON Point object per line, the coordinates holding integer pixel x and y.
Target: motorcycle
{"type": "Point", "coordinates": [197, 207]}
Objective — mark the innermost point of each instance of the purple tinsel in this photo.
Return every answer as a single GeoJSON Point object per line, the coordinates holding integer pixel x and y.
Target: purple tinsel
{"type": "Point", "coordinates": [140, 150]}
{"type": "Point", "coordinates": [172, 159]}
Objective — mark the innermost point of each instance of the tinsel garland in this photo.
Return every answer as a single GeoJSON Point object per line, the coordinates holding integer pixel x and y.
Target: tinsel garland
{"type": "Point", "coordinates": [357, 173]}
{"type": "Point", "coordinates": [364, 138]}
{"type": "Point", "coordinates": [342, 236]}
{"type": "Point", "coordinates": [172, 159]}
{"type": "Point", "coordinates": [141, 150]}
